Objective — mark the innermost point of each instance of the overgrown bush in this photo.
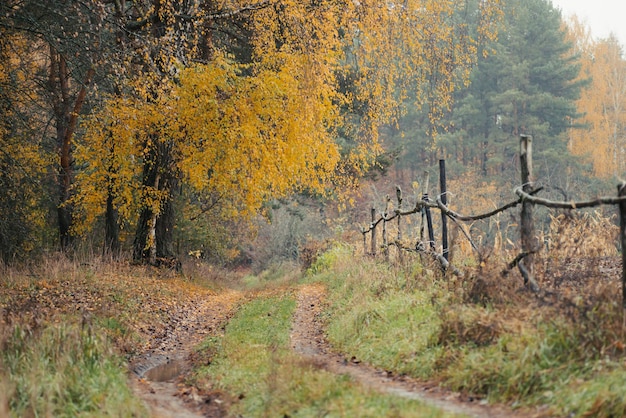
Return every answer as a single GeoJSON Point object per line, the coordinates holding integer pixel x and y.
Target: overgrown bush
{"type": "Point", "coordinates": [288, 228]}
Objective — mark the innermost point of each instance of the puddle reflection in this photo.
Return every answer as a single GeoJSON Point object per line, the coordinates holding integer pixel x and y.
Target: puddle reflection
{"type": "Point", "coordinates": [165, 372]}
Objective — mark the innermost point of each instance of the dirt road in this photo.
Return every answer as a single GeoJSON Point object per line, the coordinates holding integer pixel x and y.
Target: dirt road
{"type": "Point", "coordinates": [158, 373]}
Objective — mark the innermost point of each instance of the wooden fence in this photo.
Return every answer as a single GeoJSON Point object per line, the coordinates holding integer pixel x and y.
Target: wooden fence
{"type": "Point", "coordinates": [526, 197]}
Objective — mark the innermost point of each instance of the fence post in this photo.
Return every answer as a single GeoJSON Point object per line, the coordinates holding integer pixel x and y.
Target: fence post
{"type": "Point", "coordinates": [527, 227]}
{"type": "Point", "coordinates": [444, 200]}
{"type": "Point", "coordinates": [398, 211]}
{"type": "Point", "coordinates": [385, 238]}
{"type": "Point", "coordinates": [424, 198]}
{"type": "Point", "coordinates": [621, 192]}
{"type": "Point", "coordinates": [373, 227]}
{"type": "Point", "coordinates": [429, 222]}
{"type": "Point", "coordinates": [364, 241]}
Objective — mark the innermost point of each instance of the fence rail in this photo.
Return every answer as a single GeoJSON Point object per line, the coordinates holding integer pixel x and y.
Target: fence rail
{"type": "Point", "coordinates": [526, 198]}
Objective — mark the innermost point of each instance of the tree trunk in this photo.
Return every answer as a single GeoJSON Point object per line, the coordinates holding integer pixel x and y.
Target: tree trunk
{"type": "Point", "coordinates": [154, 238]}
{"type": "Point", "coordinates": [527, 225]}
{"type": "Point", "coordinates": [112, 228]}
{"type": "Point", "coordinates": [66, 111]}
{"type": "Point", "coordinates": [165, 228]}
{"type": "Point", "coordinates": [140, 253]}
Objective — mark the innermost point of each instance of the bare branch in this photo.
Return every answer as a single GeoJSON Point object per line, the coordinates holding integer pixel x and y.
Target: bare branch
{"type": "Point", "coordinates": [467, 235]}
{"type": "Point", "coordinates": [230, 13]}
{"type": "Point", "coordinates": [458, 216]}
{"type": "Point", "coordinates": [568, 205]}
{"type": "Point", "coordinates": [529, 280]}
{"type": "Point", "coordinates": [510, 266]}
{"type": "Point", "coordinates": [421, 248]}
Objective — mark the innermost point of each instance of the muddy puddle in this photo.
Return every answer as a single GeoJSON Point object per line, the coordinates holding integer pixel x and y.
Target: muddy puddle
{"type": "Point", "coordinates": [159, 386]}
{"type": "Point", "coordinates": [165, 372]}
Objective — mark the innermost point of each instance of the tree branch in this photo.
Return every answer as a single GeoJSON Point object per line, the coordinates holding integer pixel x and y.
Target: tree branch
{"type": "Point", "coordinates": [421, 248]}
{"type": "Point", "coordinates": [455, 215]}
{"type": "Point", "coordinates": [568, 205]}
{"type": "Point", "coordinates": [230, 13]}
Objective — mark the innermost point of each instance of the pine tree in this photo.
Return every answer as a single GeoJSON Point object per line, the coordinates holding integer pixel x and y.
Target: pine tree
{"type": "Point", "coordinates": [528, 85]}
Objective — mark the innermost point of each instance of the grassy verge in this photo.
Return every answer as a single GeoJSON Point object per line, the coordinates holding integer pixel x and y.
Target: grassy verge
{"type": "Point", "coordinates": [568, 360]}
{"type": "Point", "coordinates": [64, 370]}
{"type": "Point", "coordinates": [68, 328]}
{"type": "Point", "coordinates": [254, 364]}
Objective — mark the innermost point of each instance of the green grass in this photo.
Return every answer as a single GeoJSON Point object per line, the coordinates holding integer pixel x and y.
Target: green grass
{"type": "Point", "coordinates": [404, 320]}
{"type": "Point", "coordinates": [64, 370]}
{"type": "Point", "coordinates": [387, 330]}
{"type": "Point", "coordinates": [254, 363]}
{"type": "Point", "coordinates": [378, 315]}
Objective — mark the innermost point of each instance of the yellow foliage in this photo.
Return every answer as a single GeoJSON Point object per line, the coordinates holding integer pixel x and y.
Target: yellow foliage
{"type": "Point", "coordinates": [258, 137]}
{"type": "Point", "coordinates": [267, 128]}
{"type": "Point", "coordinates": [247, 138]}
{"type": "Point", "coordinates": [602, 103]}
{"type": "Point", "coordinates": [23, 161]}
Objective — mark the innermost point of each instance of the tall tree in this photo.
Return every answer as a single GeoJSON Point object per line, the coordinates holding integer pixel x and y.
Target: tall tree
{"type": "Point", "coordinates": [67, 36]}
{"type": "Point", "coordinates": [528, 86]}
{"type": "Point", "coordinates": [602, 138]}
{"type": "Point", "coordinates": [307, 40]}
{"type": "Point", "coordinates": [139, 53]}
{"type": "Point", "coordinates": [23, 157]}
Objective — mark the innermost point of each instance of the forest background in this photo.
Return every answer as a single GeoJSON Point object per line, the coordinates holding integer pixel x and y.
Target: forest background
{"type": "Point", "coordinates": [242, 131]}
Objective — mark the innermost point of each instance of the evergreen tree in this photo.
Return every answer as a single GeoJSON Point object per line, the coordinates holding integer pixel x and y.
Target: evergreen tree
{"type": "Point", "coordinates": [525, 83]}
{"type": "Point", "coordinates": [527, 87]}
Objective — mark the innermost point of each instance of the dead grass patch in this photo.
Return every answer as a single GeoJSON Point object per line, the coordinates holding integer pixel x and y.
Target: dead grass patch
{"type": "Point", "coordinates": [135, 305]}
{"type": "Point", "coordinates": [463, 326]}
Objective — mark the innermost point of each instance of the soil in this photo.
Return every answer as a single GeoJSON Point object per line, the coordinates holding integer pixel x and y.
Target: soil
{"type": "Point", "coordinates": [158, 375]}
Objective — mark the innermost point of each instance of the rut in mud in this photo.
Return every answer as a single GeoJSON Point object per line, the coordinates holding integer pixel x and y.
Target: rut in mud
{"type": "Point", "coordinates": [307, 338]}
{"type": "Point", "coordinates": [159, 372]}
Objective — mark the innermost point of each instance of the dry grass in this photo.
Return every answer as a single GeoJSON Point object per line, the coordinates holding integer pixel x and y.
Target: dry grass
{"type": "Point", "coordinates": [468, 326]}
{"type": "Point", "coordinates": [62, 303]}
{"type": "Point", "coordinates": [580, 287]}
{"type": "Point", "coordinates": [135, 304]}
{"type": "Point", "coordinates": [586, 234]}
{"type": "Point", "coordinates": [488, 334]}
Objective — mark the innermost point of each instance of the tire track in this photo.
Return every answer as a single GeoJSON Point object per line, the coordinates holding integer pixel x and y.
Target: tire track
{"type": "Point", "coordinates": [307, 339]}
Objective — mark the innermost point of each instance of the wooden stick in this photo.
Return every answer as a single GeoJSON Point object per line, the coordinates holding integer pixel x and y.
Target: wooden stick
{"type": "Point", "coordinates": [569, 205]}
{"type": "Point", "coordinates": [423, 208]}
{"type": "Point", "coordinates": [621, 192]}
{"type": "Point", "coordinates": [398, 213]}
{"type": "Point", "coordinates": [421, 248]}
{"type": "Point", "coordinates": [373, 229]}
{"type": "Point", "coordinates": [527, 225]}
{"type": "Point", "coordinates": [385, 220]}
{"type": "Point", "coordinates": [444, 217]}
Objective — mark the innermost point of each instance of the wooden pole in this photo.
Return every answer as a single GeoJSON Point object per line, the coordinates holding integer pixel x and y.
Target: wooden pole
{"type": "Point", "coordinates": [373, 232]}
{"type": "Point", "coordinates": [527, 226]}
{"type": "Point", "coordinates": [398, 210]}
{"type": "Point", "coordinates": [429, 221]}
{"type": "Point", "coordinates": [385, 238]}
{"type": "Point", "coordinates": [364, 241]}
{"type": "Point", "coordinates": [621, 192]}
{"type": "Point", "coordinates": [424, 198]}
{"type": "Point", "coordinates": [444, 200]}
